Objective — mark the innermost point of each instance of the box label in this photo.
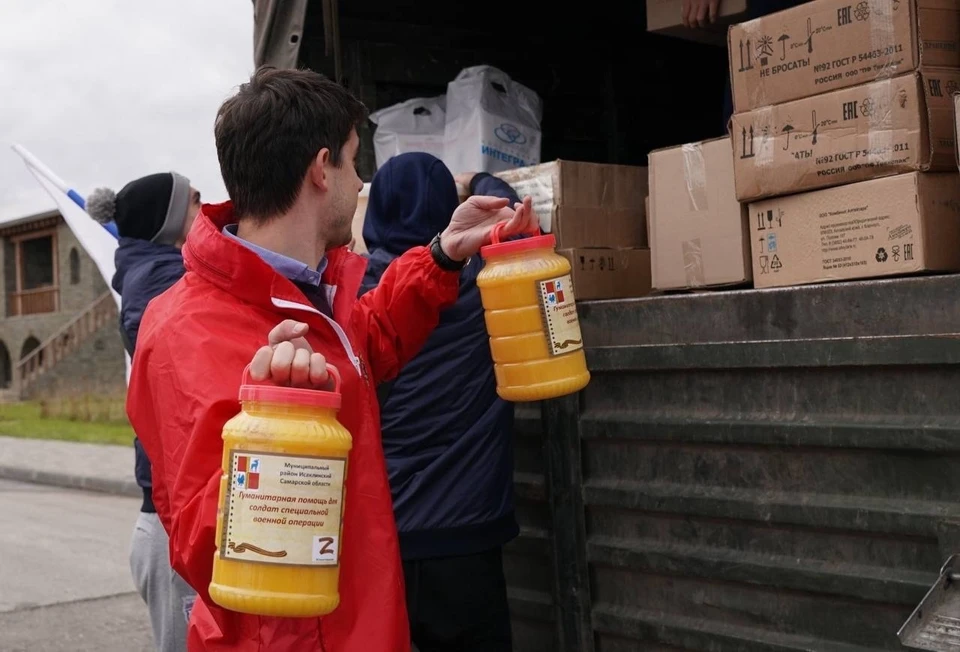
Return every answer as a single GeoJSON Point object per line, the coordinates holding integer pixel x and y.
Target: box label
{"type": "Point", "coordinates": [283, 509]}
{"type": "Point", "coordinates": [889, 126]}
{"type": "Point", "coordinates": [560, 315]}
{"type": "Point", "coordinates": [859, 240]}
{"type": "Point", "coordinates": [824, 46]}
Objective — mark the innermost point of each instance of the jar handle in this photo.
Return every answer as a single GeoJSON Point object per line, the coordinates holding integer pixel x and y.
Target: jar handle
{"type": "Point", "coordinates": [497, 235]}
{"type": "Point", "coordinates": [331, 370]}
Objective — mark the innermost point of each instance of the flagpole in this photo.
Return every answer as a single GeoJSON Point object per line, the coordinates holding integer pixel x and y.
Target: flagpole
{"type": "Point", "coordinates": [49, 174]}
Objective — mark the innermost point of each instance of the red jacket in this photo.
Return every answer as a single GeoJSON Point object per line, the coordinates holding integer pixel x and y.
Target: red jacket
{"type": "Point", "coordinates": [195, 341]}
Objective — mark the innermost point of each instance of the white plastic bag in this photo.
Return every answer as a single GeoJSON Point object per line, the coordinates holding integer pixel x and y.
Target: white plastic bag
{"type": "Point", "coordinates": [493, 122]}
{"type": "Point", "coordinates": [412, 126]}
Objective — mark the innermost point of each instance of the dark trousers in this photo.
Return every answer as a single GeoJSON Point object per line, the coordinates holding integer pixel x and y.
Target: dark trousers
{"type": "Point", "coordinates": [458, 604]}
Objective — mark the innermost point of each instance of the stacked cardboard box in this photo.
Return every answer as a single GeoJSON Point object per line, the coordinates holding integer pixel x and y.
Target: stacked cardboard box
{"type": "Point", "coordinates": [699, 236]}
{"type": "Point", "coordinates": [596, 212]}
{"type": "Point", "coordinates": [833, 100]}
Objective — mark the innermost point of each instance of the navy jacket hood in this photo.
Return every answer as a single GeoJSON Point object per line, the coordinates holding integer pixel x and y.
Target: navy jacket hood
{"type": "Point", "coordinates": [411, 200]}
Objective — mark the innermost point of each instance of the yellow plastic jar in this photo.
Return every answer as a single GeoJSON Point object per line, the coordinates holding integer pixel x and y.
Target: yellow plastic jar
{"type": "Point", "coordinates": [531, 317]}
{"type": "Point", "coordinates": [281, 502]}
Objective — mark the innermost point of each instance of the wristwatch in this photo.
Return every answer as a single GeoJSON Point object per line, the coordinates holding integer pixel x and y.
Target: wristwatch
{"type": "Point", "coordinates": [443, 261]}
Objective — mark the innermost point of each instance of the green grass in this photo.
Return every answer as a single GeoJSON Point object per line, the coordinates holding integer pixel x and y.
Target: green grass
{"type": "Point", "coordinates": [70, 420]}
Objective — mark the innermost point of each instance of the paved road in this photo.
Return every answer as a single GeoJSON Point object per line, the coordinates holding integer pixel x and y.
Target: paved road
{"type": "Point", "coordinates": [64, 577]}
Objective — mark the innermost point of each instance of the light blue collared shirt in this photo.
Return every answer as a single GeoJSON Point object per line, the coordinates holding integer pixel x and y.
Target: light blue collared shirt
{"type": "Point", "coordinates": [287, 267]}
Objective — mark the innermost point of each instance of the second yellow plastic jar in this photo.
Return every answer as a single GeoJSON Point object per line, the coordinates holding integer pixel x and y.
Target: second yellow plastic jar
{"type": "Point", "coordinates": [531, 317]}
{"type": "Point", "coordinates": [281, 502]}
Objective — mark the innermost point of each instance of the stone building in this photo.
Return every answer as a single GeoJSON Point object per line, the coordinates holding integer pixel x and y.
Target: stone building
{"type": "Point", "coordinates": [58, 320]}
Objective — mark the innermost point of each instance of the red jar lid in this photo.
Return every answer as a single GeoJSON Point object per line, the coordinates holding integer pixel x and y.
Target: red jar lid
{"type": "Point", "coordinates": [266, 392]}
{"type": "Point", "coordinates": [499, 248]}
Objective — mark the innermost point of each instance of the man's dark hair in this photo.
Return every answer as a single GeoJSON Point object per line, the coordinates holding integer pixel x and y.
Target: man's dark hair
{"type": "Point", "coordinates": [269, 133]}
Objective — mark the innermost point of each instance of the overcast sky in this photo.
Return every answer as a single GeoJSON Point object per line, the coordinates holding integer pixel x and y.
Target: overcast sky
{"type": "Point", "coordinates": [105, 91]}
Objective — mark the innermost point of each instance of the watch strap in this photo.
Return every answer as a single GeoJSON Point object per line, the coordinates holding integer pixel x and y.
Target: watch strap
{"type": "Point", "coordinates": [444, 261]}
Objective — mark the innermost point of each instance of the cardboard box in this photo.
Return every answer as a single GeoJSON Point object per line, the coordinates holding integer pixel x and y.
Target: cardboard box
{"type": "Point", "coordinates": [609, 273]}
{"type": "Point", "coordinates": [883, 227]}
{"type": "Point", "coordinates": [663, 17]}
{"type": "Point", "coordinates": [826, 45]}
{"type": "Point", "coordinates": [886, 127]}
{"type": "Point", "coordinates": [698, 229]}
{"type": "Point", "coordinates": [586, 204]}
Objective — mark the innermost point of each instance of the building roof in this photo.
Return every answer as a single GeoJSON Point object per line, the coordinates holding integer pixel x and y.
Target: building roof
{"type": "Point", "coordinates": [42, 220]}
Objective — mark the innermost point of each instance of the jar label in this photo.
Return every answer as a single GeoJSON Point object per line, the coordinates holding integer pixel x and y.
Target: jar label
{"type": "Point", "coordinates": [560, 315]}
{"type": "Point", "coordinates": [283, 509]}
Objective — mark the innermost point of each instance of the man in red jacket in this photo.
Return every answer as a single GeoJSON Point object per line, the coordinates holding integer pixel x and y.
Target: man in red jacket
{"type": "Point", "coordinates": [270, 282]}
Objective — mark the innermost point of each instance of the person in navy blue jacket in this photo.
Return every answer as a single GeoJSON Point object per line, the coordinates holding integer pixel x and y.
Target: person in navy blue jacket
{"type": "Point", "coordinates": [153, 215]}
{"type": "Point", "coordinates": [447, 436]}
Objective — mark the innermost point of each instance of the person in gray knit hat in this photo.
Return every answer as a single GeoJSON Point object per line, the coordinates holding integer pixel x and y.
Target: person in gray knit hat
{"type": "Point", "coordinates": [153, 215]}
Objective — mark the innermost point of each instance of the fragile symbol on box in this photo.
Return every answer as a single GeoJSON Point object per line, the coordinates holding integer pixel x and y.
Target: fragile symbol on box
{"type": "Point", "coordinates": [764, 262]}
{"type": "Point", "coordinates": [765, 220]}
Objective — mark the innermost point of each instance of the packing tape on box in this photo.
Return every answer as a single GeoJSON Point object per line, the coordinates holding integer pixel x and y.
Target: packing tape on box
{"type": "Point", "coordinates": [765, 136]}
{"type": "Point", "coordinates": [695, 176]}
{"type": "Point", "coordinates": [693, 262]}
{"type": "Point", "coordinates": [878, 107]}
{"type": "Point", "coordinates": [753, 37]}
{"type": "Point", "coordinates": [882, 35]}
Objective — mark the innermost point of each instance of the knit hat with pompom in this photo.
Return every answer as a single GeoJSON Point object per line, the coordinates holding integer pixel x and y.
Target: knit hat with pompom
{"type": "Point", "coordinates": [152, 208]}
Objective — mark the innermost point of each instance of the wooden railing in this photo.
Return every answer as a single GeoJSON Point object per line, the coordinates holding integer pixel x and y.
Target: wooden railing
{"type": "Point", "coordinates": [66, 340]}
{"type": "Point", "coordinates": [33, 302]}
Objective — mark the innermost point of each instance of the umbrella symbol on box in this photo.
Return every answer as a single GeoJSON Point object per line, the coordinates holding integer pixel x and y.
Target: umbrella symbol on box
{"type": "Point", "coordinates": [783, 43]}
{"type": "Point", "coordinates": [787, 129]}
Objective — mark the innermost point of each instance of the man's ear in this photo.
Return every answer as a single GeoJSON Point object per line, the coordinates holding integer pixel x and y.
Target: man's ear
{"type": "Point", "coordinates": [317, 172]}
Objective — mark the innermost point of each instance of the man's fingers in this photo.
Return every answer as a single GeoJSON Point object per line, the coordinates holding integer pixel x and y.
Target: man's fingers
{"type": "Point", "coordinates": [287, 330]}
{"type": "Point", "coordinates": [300, 370]}
{"type": "Point", "coordinates": [532, 219]}
{"type": "Point", "coordinates": [702, 14]}
{"type": "Point", "coordinates": [685, 13]}
{"type": "Point", "coordinates": [260, 366]}
{"type": "Point", "coordinates": [489, 203]}
{"type": "Point", "coordinates": [283, 354]}
{"type": "Point", "coordinates": [714, 9]}
{"type": "Point", "coordinates": [319, 377]}
{"type": "Point", "coordinates": [523, 220]}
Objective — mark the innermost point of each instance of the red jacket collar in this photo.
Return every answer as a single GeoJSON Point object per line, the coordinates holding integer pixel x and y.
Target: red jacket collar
{"type": "Point", "coordinates": [235, 269]}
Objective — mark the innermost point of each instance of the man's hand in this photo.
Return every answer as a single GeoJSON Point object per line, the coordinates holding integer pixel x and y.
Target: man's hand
{"type": "Point", "coordinates": [473, 221]}
{"type": "Point", "coordinates": [699, 13]}
{"type": "Point", "coordinates": [288, 359]}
